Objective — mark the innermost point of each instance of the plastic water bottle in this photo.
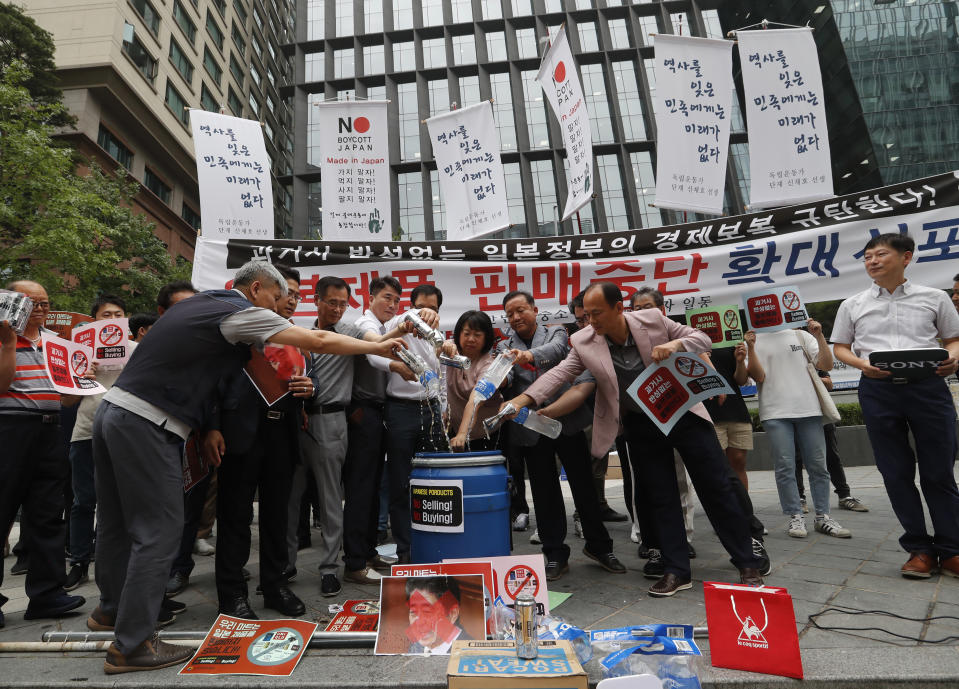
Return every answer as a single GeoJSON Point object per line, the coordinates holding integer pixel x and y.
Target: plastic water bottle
{"type": "Point", "coordinates": [434, 337]}
{"type": "Point", "coordinates": [427, 376]}
{"type": "Point", "coordinates": [494, 376]}
{"type": "Point", "coordinates": [543, 425]}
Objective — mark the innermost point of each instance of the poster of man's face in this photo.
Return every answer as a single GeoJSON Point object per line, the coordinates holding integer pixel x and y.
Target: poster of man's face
{"type": "Point", "coordinates": [425, 615]}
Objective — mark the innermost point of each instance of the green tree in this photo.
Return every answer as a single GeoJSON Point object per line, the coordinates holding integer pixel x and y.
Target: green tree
{"type": "Point", "coordinates": [76, 234]}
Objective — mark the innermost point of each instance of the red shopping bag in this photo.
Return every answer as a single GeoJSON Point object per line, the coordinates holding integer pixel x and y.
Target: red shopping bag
{"type": "Point", "coordinates": [752, 628]}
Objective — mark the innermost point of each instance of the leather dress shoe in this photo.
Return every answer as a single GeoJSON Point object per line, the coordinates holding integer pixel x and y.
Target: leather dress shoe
{"type": "Point", "coordinates": [750, 576]}
{"type": "Point", "coordinates": [950, 566]}
{"type": "Point", "coordinates": [380, 564]}
{"type": "Point", "coordinates": [53, 606]}
{"type": "Point", "coordinates": [238, 606]}
{"type": "Point", "coordinates": [692, 551]}
{"type": "Point", "coordinates": [284, 601]}
{"type": "Point", "coordinates": [152, 654]}
{"type": "Point", "coordinates": [608, 514]}
{"type": "Point", "coordinates": [554, 570]}
{"type": "Point", "coordinates": [178, 581]}
{"type": "Point", "coordinates": [607, 561]}
{"type": "Point", "coordinates": [669, 585]}
{"type": "Point", "coordinates": [174, 606]}
{"type": "Point", "coordinates": [919, 566]}
{"type": "Point", "coordinates": [99, 621]}
{"type": "Point", "coordinates": [364, 576]}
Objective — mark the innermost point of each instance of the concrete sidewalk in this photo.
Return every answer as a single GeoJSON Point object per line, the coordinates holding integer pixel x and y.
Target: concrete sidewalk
{"type": "Point", "coordinates": [861, 573]}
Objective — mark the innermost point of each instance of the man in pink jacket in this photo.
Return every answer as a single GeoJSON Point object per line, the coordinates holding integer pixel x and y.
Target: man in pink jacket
{"type": "Point", "coordinates": [616, 346]}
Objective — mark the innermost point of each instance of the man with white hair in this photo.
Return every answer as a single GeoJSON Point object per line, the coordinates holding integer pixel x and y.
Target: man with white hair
{"type": "Point", "coordinates": [163, 394]}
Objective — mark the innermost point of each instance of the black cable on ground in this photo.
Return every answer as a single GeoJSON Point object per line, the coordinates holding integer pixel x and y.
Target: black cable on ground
{"type": "Point", "coordinates": [855, 611]}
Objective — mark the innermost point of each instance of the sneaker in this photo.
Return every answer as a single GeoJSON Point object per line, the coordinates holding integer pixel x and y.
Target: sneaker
{"type": "Point", "coordinates": [805, 508]}
{"type": "Point", "coordinates": [759, 550]}
{"type": "Point", "coordinates": [634, 533]}
{"type": "Point", "coordinates": [797, 526]}
{"type": "Point", "coordinates": [20, 566]}
{"type": "Point", "coordinates": [365, 576]}
{"type": "Point", "coordinates": [577, 526]}
{"type": "Point", "coordinates": [654, 567]}
{"type": "Point", "coordinates": [852, 504]}
{"type": "Point", "coordinates": [829, 526]}
{"type": "Point", "coordinates": [521, 523]}
{"type": "Point", "coordinates": [152, 654]}
{"type": "Point", "coordinates": [54, 606]}
{"type": "Point", "coordinates": [329, 585]}
{"type": "Point", "coordinates": [76, 576]}
{"type": "Point", "coordinates": [202, 546]}
{"type": "Point", "coordinates": [534, 539]}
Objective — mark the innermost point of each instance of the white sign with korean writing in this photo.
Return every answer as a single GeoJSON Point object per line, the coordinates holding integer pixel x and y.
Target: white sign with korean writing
{"type": "Point", "coordinates": [355, 167]}
{"type": "Point", "coordinates": [466, 148]}
{"type": "Point", "coordinates": [694, 86]}
{"type": "Point", "coordinates": [559, 79]}
{"type": "Point", "coordinates": [788, 143]}
{"type": "Point", "coordinates": [233, 170]}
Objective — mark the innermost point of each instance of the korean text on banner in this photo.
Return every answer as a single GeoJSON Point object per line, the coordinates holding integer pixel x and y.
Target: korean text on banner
{"type": "Point", "coordinates": [236, 646]}
{"type": "Point", "coordinates": [466, 148]}
{"type": "Point", "coordinates": [233, 170]}
{"type": "Point", "coordinates": [721, 323]}
{"type": "Point", "coordinates": [66, 363]}
{"type": "Point", "coordinates": [788, 143]}
{"type": "Point", "coordinates": [694, 86]}
{"type": "Point", "coordinates": [559, 79]}
{"type": "Point", "coordinates": [776, 308]}
{"type": "Point", "coordinates": [355, 165]}
{"type": "Point", "coordinates": [669, 389]}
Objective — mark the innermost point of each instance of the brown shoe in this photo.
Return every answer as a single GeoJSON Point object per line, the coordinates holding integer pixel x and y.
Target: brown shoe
{"type": "Point", "coordinates": [949, 566]}
{"type": "Point", "coordinates": [363, 576]}
{"type": "Point", "coordinates": [668, 586]}
{"type": "Point", "coordinates": [922, 566]}
{"type": "Point", "coordinates": [152, 654]}
{"type": "Point", "coordinates": [380, 564]}
{"type": "Point", "coordinates": [750, 576]}
{"type": "Point", "coordinates": [99, 621]}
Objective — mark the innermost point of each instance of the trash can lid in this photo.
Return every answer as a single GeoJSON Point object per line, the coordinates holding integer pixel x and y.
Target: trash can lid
{"type": "Point", "coordinates": [458, 459]}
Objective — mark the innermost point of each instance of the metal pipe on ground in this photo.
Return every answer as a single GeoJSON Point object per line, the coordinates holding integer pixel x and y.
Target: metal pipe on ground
{"type": "Point", "coordinates": [184, 637]}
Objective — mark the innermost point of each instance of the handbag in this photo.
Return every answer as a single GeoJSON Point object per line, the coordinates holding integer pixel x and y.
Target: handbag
{"type": "Point", "coordinates": [830, 414]}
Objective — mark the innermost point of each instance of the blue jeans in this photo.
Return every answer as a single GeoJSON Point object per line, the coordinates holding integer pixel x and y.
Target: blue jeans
{"type": "Point", "coordinates": [807, 432]}
{"type": "Point", "coordinates": [84, 502]}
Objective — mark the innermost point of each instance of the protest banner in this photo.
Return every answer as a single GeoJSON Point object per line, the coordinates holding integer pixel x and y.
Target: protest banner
{"type": "Point", "coordinates": [63, 322]}
{"type": "Point", "coordinates": [817, 247]}
{"type": "Point", "coordinates": [233, 171]}
{"type": "Point", "coordinates": [356, 616]}
{"type": "Point", "coordinates": [667, 390]}
{"type": "Point", "coordinates": [436, 505]}
{"type": "Point", "coordinates": [777, 308]}
{"type": "Point", "coordinates": [789, 159]}
{"type": "Point", "coordinates": [466, 149]}
{"type": "Point", "coordinates": [66, 363]}
{"type": "Point", "coordinates": [720, 322]}
{"type": "Point", "coordinates": [694, 87]}
{"type": "Point", "coordinates": [516, 574]}
{"type": "Point", "coordinates": [355, 167]}
{"type": "Point", "coordinates": [108, 338]}
{"type": "Point", "coordinates": [560, 80]}
{"type": "Point", "coordinates": [236, 646]}
{"type": "Point", "coordinates": [483, 567]}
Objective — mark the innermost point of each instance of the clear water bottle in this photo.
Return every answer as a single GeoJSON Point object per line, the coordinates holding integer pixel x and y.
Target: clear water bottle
{"type": "Point", "coordinates": [434, 337]}
{"type": "Point", "coordinates": [494, 376]}
{"type": "Point", "coordinates": [543, 425]}
{"type": "Point", "coordinates": [428, 377]}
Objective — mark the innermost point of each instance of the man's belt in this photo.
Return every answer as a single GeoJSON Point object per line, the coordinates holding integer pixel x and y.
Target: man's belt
{"type": "Point", "coordinates": [332, 408]}
{"type": "Point", "coordinates": [48, 419]}
{"type": "Point", "coordinates": [274, 415]}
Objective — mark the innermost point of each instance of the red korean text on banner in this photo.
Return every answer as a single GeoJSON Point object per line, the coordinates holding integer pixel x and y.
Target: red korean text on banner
{"type": "Point", "coordinates": [752, 628]}
{"type": "Point", "coordinates": [777, 308]}
{"type": "Point", "coordinates": [663, 395]}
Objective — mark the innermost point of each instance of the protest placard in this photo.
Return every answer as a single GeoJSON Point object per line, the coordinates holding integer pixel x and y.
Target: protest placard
{"type": "Point", "coordinates": [66, 364]}
{"type": "Point", "coordinates": [721, 323]}
{"type": "Point", "coordinates": [108, 338]}
{"type": "Point", "coordinates": [236, 646]}
{"type": "Point", "coordinates": [775, 308]}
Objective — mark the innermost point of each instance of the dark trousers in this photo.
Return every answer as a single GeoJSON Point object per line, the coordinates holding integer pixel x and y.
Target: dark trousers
{"type": "Point", "coordinates": [573, 453]}
{"type": "Point", "coordinates": [84, 502]}
{"type": "Point", "coordinates": [266, 467]}
{"type": "Point", "coordinates": [33, 473]}
{"type": "Point", "coordinates": [516, 464]}
{"type": "Point", "coordinates": [833, 464]}
{"type": "Point", "coordinates": [651, 454]}
{"type": "Point", "coordinates": [193, 502]}
{"type": "Point", "coordinates": [362, 473]}
{"type": "Point", "coordinates": [412, 427]}
{"type": "Point", "coordinates": [925, 408]}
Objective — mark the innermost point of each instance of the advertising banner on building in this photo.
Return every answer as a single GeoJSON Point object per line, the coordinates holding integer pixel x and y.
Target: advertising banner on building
{"type": "Point", "coordinates": [560, 80]}
{"type": "Point", "coordinates": [466, 149]}
{"type": "Point", "coordinates": [355, 168]}
{"type": "Point", "coordinates": [789, 158]}
{"type": "Point", "coordinates": [694, 87]}
{"type": "Point", "coordinates": [817, 247]}
{"type": "Point", "coordinates": [233, 170]}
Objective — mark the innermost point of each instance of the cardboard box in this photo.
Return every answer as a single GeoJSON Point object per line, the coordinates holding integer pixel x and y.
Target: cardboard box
{"type": "Point", "coordinates": [494, 665]}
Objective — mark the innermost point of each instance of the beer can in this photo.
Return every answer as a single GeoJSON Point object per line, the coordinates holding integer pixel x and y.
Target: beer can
{"type": "Point", "coordinates": [525, 623]}
{"type": "Point", "coordinates": [15, 308]}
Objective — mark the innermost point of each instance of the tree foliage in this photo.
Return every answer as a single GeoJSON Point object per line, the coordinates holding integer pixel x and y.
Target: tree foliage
{"type": "Point", "coordinates": [76, 234]}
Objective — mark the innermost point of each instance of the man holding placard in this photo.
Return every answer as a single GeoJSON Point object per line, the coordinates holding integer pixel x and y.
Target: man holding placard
{"type": "Point", "coordinates": [874, 331]}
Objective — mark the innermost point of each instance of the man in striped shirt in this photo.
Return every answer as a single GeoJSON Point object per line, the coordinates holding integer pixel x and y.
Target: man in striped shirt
{"type": "Point", "coordinates": [33, 468]}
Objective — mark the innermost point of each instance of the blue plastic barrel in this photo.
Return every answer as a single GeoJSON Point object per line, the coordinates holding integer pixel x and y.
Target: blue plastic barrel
{"type": "Point", "coordinates": [447, 523]}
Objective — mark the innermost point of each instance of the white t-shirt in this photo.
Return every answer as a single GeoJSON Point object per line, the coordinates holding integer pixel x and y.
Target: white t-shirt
{"type": "Point", "coordinates": [787, 392]}
{"type": "Point", "coordinates": [83, 428]}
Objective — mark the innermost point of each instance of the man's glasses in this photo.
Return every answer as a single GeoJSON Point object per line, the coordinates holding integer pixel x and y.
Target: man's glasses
{"type": "Point", "coordinates": [337, 305]}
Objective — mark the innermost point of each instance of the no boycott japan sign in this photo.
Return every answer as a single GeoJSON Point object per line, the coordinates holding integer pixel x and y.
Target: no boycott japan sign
{"type": "Point", "coordinates": [669, 389]}
{"type": "Point", "coordinates": [437, 505]}
{"type": "Point", "coordinates": [720, 322]}
{"type": "Point", "coordinates": [780, 308]}
{"type": "Point", "coordinates": [66, 363]}
{"type": "Point", "coordinates": [108, 340]}
{"type": "Point", "coordinates": [235, 646]}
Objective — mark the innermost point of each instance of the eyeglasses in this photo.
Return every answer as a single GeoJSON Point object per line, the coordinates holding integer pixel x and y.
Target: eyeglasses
{"type": "Point", "coordinates": [338, 305]}
{"type": "Point", "coordinates": [42, 305]}
{"type": "Point", "coordinates": [583, 320]}
{"type": "Point", "coordinates": [295, 296]}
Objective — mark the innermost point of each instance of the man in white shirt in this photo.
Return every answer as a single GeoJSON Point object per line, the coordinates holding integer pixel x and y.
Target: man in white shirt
{"type": "Point", "coordinates": [896, 314]}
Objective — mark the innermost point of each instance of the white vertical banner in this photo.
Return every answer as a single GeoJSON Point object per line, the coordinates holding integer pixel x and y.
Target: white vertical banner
{"type": "Point", "coordinates": [788, 142]}
{"type": "Point", "coordinates": [355, 169]}
{"type": "Point", "coordinates": [233, 171]}
{"type": "Point", "coordinates": [694, 86]}
{"type": "Point", "coordinates": [560, 80]}
{"type": "Point", "coordinates": [466, 149]}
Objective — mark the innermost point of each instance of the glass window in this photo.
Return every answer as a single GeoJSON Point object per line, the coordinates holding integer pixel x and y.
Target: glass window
{"type": "Point", "coordinates": [216, 33]}
{"type": "Point", "coordinates": [526, 42]}
{"type": "Point", "coordinates": [462, 11]}
{"type": "Point", "coordinates": [404, 57]}
{"type": "Point", "coordinates": [402, 14]}
{"type": "Point", "coordinates": [469, 91]}
{"type": "Point", "coordinates": [269, 130]}
{"type": "Point", "coordinates": [153, 182]}
{"type": "Point", "coordinates": [432, 12]}
{"type": "Point", "coordinates": [240, 11]}
{"type": "Point", "coordinates": [236, 105]}
{"type": "Point", "coordinates": [270, 49]}
{"type": "Point", "coordinates": [315, 19]}
{"type": "Point", "coordinates": [680, 24]}
{"type": "Point", "coordinates": [183, 20]}
{"type": "Point", "coordinates": [254, 105]}
{"type": "Point", "coordinates": [713, 27]}
{"type": "Point", "coordinates": [584, 4]}
{"type": "Point", "coordinates": [645, 180]}
{"type": "Point", "coordinates": [373, 60]}
{"type": "Point", "coordinates": [236, 69]}
{"type": "Point", "coordinates": [522, 8]}
{"type": "Point", "coordinates": [149, 15]}
{"type": "Point", "coordinates": [208, 100]}
{"type": "Point", "coordinates": [112, 145]}
{"type": "Point", "coordinates": [554, 5]}
{"type": "Point", "coordinates": [630, 101]}
{"type": "Point", "coordinates": [191, 217]}
{"type": "Point", "coordinates": [613, 198]}
{"type": "Point", "coordinates": [409, 121]}
{"type": "Point", "coordinates": [464, 50]}
{"type": "Point", "coordinates": [343, 64]}
{"type": "Point", "coordinates": [647, 26]}
{"type": "Point", "coordinates": [434, 52]}
{"type": "Point", "coordinates": [257, 48]}
{"type": "Point", "coordinates": [181, 61]}
{"type": "Point", "coordinates": [410, 188]}
{"type": "Point", "coordinates": [597, 103]}
{"type": "Point", "coordinates": [344, 17]}
{"type": "Point", "coordinates": [176, 103]}
{"type": "Point", "coordinates": [255, 76]}
{"type": "Point", "coordinates": [588, 41]}
{"type": "Point", "coordinates": [144, 62]}
{"type": "Point", "coordinates": [535, 111]}
{"type": "Point", "coordinates": [237, 34]}
{"type": "Point", "coordinates": [270, 103]}
{"type": "Point", "coordinates": [650, 67]}
{"type": "Point", "coordinates": [515, 198]}
{"type": "Point", "coordinates": [439, 209]}
{"type": "Point", "coordinates": [503, 110]}
{"type": "Point", "coordinates": [544, 194]}
{"type": "Point", "coordinates": [495, 46]}
{"type": "Point", "coordinates": [618, 33]}
{"type": "Point", "coordinates": [439, 96]}
{"type": "Point", "coordinates": [211, 66]}
{"type": "Point", "coordinates": [373, 15]}
{"type": "Point", "coordinates": [739, 160]}
{"type": "Point", "coordinates": [220, 5]}
{"type": "Point", "coordinates": [376, 93]}
{"type": "Point", "coordinates": [492, 9]}
{"type": "Point", "coordinates": [315, 67]}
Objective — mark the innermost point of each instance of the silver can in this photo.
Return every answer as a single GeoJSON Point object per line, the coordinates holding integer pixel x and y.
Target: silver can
{"type": "Point", "coordinates": [16, 309]}
{"type": "Point", "coordinates": [526, 622]}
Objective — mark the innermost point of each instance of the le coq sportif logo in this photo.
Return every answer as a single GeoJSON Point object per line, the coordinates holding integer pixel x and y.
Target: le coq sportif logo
{"type": "Point", "coordinates": [751, 635]}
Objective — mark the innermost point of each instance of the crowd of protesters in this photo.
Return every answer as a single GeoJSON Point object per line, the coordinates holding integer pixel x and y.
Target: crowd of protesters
{"type": "Point", "coordinates": [351, 415]}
